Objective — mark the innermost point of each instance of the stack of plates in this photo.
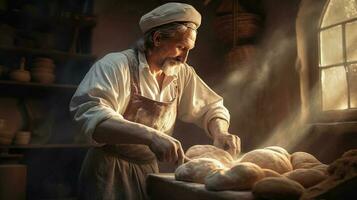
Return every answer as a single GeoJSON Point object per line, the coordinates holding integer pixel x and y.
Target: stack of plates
{"type": "Point", "coordinates": [42, 70]}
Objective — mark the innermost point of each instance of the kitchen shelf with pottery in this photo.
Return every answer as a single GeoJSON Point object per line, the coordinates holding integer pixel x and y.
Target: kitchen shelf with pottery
{"type": "Point", "coordinates": [42, 71]}
{"type": "Point", "coordinates": [8, 137]}
{"type": "Point", "coordinates": [22, 140]}
{"type": "Point", "coordinates": [40, 76]}
{"type": "Point", "coordinates": [54, 54]}
{"type": "Point", "coordinates": [25, 85]}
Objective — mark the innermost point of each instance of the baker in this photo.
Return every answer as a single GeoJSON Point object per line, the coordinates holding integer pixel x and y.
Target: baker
{"type": "Point", "coordinates": [129, 100]}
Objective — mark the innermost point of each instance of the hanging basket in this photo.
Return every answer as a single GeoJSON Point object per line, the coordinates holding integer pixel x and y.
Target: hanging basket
{"type": "Point", "coordinates": [248, 26]}
{"type": "Point", "coordinates": [241, 56]}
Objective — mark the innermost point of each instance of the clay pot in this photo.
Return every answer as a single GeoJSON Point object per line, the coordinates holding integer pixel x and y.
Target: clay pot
{"type": "Point", "coordinates": [42, 70]}
{"type": "Point", "coordinates": [22, 137]}
{"type": "Point", "coordinates": [42, 65]}
{"type": "Point", "coordinates": [43, 62]}
{"type": "Point", "coordinates": [20, 75]}
{"type": "Point", "coordinates": [43, 77]}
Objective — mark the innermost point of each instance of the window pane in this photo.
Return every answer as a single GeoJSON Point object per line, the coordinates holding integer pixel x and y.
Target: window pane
{"type": "Point", "coordinates": [352, 78]}
{"type": "Point", "coordinates": [331, 46]}
{"type": "Point", "coordinates": [338, 11]}
{"type": "Point", "coordinates": [334, 88]}
{"type": "Point", "coordinates": [351, 41]}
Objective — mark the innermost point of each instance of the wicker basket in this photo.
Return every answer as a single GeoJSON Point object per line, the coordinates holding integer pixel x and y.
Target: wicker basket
{"type": "Point", "coordinates": [242, 55]}
{"type": "Point", "coordinates": [248, 26]}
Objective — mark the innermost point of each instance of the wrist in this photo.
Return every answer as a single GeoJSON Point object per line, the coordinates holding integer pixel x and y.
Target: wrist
{"type": "Point", "coordinates": [218, 126]}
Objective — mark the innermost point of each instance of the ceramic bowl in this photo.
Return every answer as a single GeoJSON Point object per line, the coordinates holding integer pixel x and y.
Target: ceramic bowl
{"type": "Point", "coordinates": [22, 137]}
{"type": "Point", "coordinates": [43, 77]}
{"type": "Point", "coordinates": [43, 62]}
{"type": "Point", "coordinates": [20, 75]}
{"type": "Point", "coordinates": [42, 69]}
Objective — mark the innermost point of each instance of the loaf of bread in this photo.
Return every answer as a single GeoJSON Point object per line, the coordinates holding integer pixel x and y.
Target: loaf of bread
{"type": "Point", "coordinates": [268, 159]}
{"type": "Point", "coordinates": [340, 182]}
{"type": "Point", "coordinates": [303, 160]}
{"type": "Point", "coordinates": [197, 169]}
{"type": "Point", "coordinates": [279, 150]}
{"type": "Point", "coordinates": [306, 177]}
{"type": "Point", "coordinates": [271, 173]}
{"type": "Point", "coordinates": [344, 167]}
{"type": "Point", "coordinates": [242, 176]}
{"type": "Point", "coordinates": [350, 153]}
{"type": "Point", "coordinates": [198, 150]}
{"type": "Point", "coordinates": [209, 151]}
{"type": "Point", "coordinates": [277, 188]}
{"type": "Point", "coordinates": [321, 167]}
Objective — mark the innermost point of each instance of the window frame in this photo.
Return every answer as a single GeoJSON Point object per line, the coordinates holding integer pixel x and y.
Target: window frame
{"type": "Point", "coordinates": [345, 115]}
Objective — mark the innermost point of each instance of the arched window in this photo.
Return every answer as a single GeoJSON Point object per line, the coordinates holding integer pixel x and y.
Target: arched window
{"type": "Point", "coordinates": [338, 55]}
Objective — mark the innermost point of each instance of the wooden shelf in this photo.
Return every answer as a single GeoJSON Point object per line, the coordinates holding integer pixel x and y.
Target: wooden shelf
{"type": "Point", "coordinates": [54, 54]}
{"type": "Point", "coordinates": [29, 88]}
{"type": "Point", "coordinates": [50, 146]}
{"type": "Point", "coordinates": [37, 85]}
{"type": "Point", "coordinates": [82, 20]}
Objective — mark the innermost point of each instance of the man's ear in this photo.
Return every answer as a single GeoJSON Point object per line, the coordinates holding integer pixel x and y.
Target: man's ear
{"type": "Point", "coordinates": [156, 38]}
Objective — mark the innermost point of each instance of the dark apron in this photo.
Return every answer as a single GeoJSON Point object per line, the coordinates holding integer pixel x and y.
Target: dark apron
{"type": "Point", "coordinates": [119, 171]}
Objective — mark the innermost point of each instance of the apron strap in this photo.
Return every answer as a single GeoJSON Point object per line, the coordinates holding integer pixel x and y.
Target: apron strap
{"type": "Point", "coordinates": [133, 62]}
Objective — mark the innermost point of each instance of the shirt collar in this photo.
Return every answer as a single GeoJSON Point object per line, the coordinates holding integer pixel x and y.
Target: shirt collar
{"type": "Point", "coordinates": [143, 65]}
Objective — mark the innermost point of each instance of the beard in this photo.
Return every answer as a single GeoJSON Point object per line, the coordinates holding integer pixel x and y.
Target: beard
{"type": "Point", "coordinates": [169, 66]}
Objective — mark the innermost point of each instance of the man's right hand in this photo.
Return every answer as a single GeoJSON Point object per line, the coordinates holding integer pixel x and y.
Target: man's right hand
{"type": "Point", "coordinates": [167, 149]}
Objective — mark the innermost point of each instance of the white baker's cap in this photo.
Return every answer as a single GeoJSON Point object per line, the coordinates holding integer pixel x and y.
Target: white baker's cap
{"type": "Point", "coordinates": [168, 13]}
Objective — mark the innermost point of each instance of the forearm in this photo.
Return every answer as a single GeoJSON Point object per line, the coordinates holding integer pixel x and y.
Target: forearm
{"type": "Point", "coordinates": [121, 131]}
{"type": "Point", "coordinates": [217, 126]}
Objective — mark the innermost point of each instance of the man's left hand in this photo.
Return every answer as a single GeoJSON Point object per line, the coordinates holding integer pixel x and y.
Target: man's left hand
{"type": "Point", "coordinates": [228, 142]}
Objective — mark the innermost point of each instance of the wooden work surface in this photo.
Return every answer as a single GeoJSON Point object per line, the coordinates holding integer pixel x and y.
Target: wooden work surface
{"type": "Point", "coordinates": [164, 186]}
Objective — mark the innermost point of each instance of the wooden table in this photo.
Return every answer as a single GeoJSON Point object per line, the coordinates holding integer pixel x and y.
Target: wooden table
{"type": "Point", "coordinates": [164, 186]}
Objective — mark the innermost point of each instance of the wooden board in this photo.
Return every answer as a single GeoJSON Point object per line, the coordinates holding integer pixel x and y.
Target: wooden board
{"type": "Point", "coordinates": [164, 186]}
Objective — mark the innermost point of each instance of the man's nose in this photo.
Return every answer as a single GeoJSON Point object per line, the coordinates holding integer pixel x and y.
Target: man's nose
{"type": "Point", "coordinates": [183, 58]}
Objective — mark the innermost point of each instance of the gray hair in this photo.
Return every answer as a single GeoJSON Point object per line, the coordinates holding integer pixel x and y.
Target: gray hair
{"type": "Point", "coordinates": [166, 31]}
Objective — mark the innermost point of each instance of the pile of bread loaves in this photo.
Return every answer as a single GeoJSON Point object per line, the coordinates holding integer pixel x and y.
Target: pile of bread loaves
{"type": "Point", "coordinates": [271, 172]}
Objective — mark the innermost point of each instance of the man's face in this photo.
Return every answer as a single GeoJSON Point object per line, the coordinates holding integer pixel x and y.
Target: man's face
{"type": "Point", "coordinates": [174, 51]}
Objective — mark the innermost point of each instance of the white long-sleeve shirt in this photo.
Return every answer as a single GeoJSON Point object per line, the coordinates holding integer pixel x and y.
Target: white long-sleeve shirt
{"type": "Point", "coordinates": [105, 93]}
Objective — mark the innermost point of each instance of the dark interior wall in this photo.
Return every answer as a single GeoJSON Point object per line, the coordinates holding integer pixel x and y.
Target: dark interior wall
{"type": "Point", "coordinates": [326, 138]}
{"type": "Point", "coordinates": [268, 89]}
{"type": "Point", "coordinates": [265, 95]}
{"type": "Point", "coordinates": [258, 103]}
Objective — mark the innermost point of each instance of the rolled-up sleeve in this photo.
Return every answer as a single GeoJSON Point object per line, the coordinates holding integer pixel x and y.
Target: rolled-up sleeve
{"type": "Point", "coordinates": [199, 104]}
{"type": "Point", "coordinates": [97, 96]}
